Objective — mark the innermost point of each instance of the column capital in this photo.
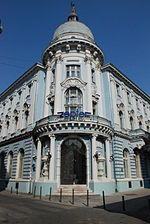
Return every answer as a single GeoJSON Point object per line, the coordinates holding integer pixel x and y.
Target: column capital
{"type": "Point", "coordinates": [38, 139]}
{"type": "Point", "coordinates": [98, 66]}
{"type": "Point", "coordinates": [51, 136]}
{"type": "Point", "coordinates": [88, 59]}
{"type": "Point", "coordinates": [48, 64]}
{"type": "Point", "coordinates": [112, 79]}
{"type": "Point", "coordinates": [94, 135]}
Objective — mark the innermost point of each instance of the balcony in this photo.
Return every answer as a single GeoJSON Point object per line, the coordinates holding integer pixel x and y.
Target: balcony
{"type": "Point", "coordinates": [74, 124]}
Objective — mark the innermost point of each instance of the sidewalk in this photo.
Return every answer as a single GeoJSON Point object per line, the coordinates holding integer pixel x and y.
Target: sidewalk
{"type": "Point", "coordinates": [136, 202]}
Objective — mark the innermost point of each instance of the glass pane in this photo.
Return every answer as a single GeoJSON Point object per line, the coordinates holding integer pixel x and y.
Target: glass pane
{"type": "Point", "coordinates": [78, 74]}
{"type": "Point", "coordinates": [67, 74]}
{"type": "Point", "coordinates": [72, 73]}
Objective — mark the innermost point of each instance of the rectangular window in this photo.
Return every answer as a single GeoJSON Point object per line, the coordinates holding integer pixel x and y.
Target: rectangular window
{"type": "Point", "coordinates": [118, 89]}
{"type": "Point", "coordinates": [137, 103]}
{"type": "Point", "coordinates": [73, 71]}
{"type": "Point", "coordinates": [93, 75]}
{"type": "Point", "coordinates": [128, 97]}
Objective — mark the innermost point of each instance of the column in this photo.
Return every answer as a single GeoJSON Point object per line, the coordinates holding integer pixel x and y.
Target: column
{"type": "Point", "coordinates": [47, 88]}
{"type": "Point", "coordinates": [108, 164]}
{"type": "Point", "coordinates": [89, 83]}
{"type": "Point", "coordinates": [114, 101]}
{"type": "Point", "coordinates": [57, 103]}
{"type": "Point", "coordinates": [99, 89]}
{"type": "Point", "coordinates": [94, 162]}
{"type": "Point", "coordinates": [52, 162]}
{"type": "Point", "coordinates": [38, 159]}
{"type": "Point", "coordinates": [125, 102]}
{"type": "Point", "coordinates": [32, 107]}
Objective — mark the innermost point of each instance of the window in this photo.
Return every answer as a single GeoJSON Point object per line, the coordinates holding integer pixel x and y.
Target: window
{"type": "Point", "coordinates": [137, 163]}
{"type": "Point", "coordinates": [73, 99]}
{"type": "Point", "coordinates": [29, 89]}
{"type": "Point", "coordinates": [16, 119]}
{"type": "Point", "coordinates": [126, 163]}
{"type": "Point", "coordinates": [20, 163]}
{"type": "Point", "coordinates": [144, 106]}
{"type": "Point", "coordinates": [11, 100]}
{"type": "Point", "coordinates": [9, 164]}
{"type": "Point", "coordinates": [140, 125]}
{"type": "Point", "coordinates": [93, 76]}
{"type": "Point", "coordinates": [19, 94]}
{"type": "Point", "coordinates": [137, 103]}
{"type": "Point", "coordinates": [128, 97]}
{"type": "Point", "coordinates": [131, 123]}
{"type": "Point", "coordinates": [52, 107]}
{"type": "Point", "coordinates": [118, 89]}
{"type": "Point", "coordinates": [73, 71]}
{"type": "Point", "coordinates": [94, 108]}
{"type": "Point", "coordinates": [53, 76]}
{"type": "Point", "coordinates": [121, 119]}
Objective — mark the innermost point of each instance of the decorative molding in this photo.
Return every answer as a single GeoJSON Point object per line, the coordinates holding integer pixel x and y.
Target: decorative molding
{"type": "Point", "coordinates": [73, 82]}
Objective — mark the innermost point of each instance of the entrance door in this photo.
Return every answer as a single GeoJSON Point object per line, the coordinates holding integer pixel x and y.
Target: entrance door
{"type": "Point", "coordinates": [73, 162]}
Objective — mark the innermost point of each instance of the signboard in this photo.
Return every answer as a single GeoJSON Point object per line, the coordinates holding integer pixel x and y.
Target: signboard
{"type": "Point", "coordinates": [73, 115]}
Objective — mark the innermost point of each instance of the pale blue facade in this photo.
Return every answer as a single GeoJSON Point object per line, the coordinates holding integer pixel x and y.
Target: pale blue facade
{"type": "Point", "coordinates": [106, 150]}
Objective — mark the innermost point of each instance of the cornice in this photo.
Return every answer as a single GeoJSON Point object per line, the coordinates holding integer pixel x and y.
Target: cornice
{"type": "Point", "coordinates": [111, 68]}
{"type": "Point", "coordinates": [16, 138]}
{"type": "Point", "coordinates": [68, 42]}
{"type": "Point", "coordinates": [21, 79]}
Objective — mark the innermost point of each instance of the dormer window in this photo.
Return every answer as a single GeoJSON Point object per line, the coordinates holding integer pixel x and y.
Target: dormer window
{"type": "Point", "coordinates": [73, 71]}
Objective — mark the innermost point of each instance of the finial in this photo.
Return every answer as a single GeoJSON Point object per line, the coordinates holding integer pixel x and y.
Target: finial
{"type": "Point", "coordinates": [73, 16]}
{"type": "Point", "coordinates": [73, 7]}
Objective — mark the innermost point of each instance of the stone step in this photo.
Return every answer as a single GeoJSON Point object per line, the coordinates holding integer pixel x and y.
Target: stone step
{"type": "Point", "coordinates": [78, 190]}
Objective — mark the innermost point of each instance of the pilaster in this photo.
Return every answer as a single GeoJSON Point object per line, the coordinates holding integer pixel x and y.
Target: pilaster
{"type": "Point", "coordinates": [38, 160]}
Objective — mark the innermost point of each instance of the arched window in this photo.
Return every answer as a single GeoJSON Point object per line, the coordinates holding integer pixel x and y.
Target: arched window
{"type": "Point", "coordinates": [137, 163]}
{"type": "Point", "coordinates": [9, 164]}
{"type": "Point", "coordinates": [126, 163]}
{"type": "Point", "coordinates": [121, 118]}
{"type": "Point", "coordinates": [16, 119]}
{"type": "Point", "coordinates": [131, 123]}
{"type": "Point", "coordinates": [73, 99]}
{"type": "Point", "coordinates": [20, 163]}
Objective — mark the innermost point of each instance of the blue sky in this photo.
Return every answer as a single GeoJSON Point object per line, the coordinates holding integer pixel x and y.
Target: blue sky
{"type": "Point", "coordinates": [121, 29]}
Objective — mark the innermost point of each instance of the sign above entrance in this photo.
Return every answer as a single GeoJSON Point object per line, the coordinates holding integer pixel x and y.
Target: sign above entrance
{"type": "Point", "coordinates": [72, 115]}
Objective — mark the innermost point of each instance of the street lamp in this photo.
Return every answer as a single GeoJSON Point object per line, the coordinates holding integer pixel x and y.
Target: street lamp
{"type": "Point", "coordinates": [1, 28]}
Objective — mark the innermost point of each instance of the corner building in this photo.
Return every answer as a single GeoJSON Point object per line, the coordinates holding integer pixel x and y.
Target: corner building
{"type": "Point", "coordinates": [74, 122]}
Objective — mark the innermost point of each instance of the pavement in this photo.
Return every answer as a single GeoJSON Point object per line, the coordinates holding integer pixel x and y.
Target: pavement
{"type": "Point", "coordinates": [23, 208]}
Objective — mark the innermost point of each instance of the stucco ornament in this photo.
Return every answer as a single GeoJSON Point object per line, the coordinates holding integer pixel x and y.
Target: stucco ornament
{"type": "Point", "coordinates": [100, 164]}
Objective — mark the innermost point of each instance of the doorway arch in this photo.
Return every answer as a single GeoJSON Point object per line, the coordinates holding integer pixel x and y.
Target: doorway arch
{"type": "Point", "coordinates": [73, 162]}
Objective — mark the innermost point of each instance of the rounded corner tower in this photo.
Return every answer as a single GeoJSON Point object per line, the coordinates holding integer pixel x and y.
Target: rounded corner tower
{"type": "Point", "coordinates": [73, 35]}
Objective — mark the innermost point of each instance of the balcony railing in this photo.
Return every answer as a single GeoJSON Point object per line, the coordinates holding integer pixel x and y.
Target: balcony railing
{"type": "Point", "coordinates": [57, 119]}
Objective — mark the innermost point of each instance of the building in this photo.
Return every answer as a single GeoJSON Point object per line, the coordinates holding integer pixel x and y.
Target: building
{"type": "Point", "coordinates": [74, 121]}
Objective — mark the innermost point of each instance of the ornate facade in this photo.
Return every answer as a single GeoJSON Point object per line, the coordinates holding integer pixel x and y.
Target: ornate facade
{"type": "Point", "coordinates": [74, 121]}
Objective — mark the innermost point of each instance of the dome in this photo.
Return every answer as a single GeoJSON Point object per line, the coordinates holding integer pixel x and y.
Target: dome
{"type": "Point", "coordinates": [74, 28]}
